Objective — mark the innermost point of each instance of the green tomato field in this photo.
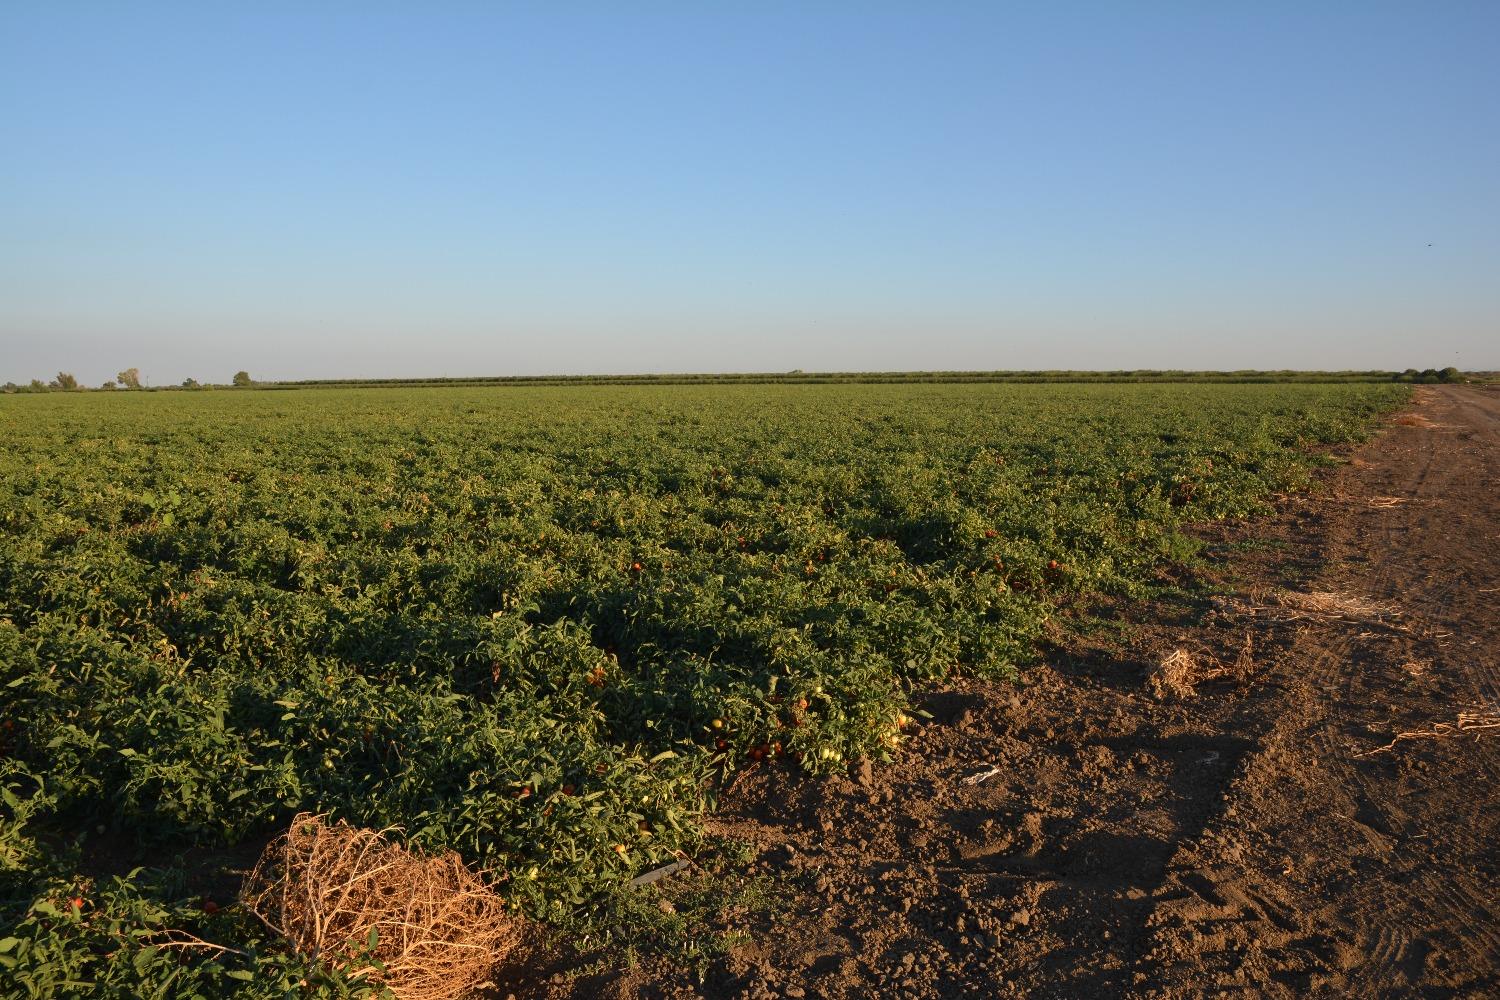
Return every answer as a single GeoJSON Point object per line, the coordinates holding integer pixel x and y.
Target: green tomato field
{"type": "Point", "coordinates": [539, 625]}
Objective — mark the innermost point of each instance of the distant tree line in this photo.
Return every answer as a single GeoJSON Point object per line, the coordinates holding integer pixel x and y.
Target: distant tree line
{"type": "Point", "coordinates": [130, 378]}
{"type": "Point", "coordinates": [1429, 375]}
{"type": "Point", "coordinates": [798, 377]}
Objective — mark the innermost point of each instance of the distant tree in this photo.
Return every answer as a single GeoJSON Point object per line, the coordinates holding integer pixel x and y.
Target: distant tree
{"type": "Point", "coordinates": [65, 380]}
{"type": "Point", "coordinates": [190, 383]}
{"type": "Point", "coordinates": [130, 378]}
{"type": "Point", "coordinates": [1450, 374]}
{"type": "Point", "coordinates": [109, 383]}
{"type": "Point", "coordinates": [242, 378]}
{"type": "Point", "coordinates": [10, 387]}
{"type": "Point", "coordinates": [37, 385]}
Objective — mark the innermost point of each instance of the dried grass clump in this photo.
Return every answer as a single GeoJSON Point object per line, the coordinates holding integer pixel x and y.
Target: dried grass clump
{"type": "Point", "coordinates": [1175, 676]}
{"type": "Point", "coordinates": [325, 887]}
{"type": "Point", "coordinates": [1179, 674]}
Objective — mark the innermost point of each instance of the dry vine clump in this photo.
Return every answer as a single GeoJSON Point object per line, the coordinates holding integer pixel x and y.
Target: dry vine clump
{"type": "Point", "coordinates": [327, 888]}
{"type": "Point", "coordinates": [1175, 676]}
{"type": "Point", "coordinates": [1244, 663]}
{"type": "Point", "coordinates": [1179, 674]}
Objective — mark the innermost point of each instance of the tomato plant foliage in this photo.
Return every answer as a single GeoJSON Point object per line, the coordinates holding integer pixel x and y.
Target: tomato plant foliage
{"type": "Point", "coordinates": [536, 624]}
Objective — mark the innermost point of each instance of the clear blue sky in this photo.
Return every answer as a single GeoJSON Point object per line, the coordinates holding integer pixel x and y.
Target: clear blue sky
{"type": "Point", "coordinates": [451, 188]}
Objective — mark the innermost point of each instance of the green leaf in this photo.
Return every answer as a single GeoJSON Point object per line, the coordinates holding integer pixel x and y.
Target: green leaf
{"type": "Point", "coordinates": [142, 959]}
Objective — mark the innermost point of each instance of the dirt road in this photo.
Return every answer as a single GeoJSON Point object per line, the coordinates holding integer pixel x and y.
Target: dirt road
{"type": "Point", "coordinates": [1084, 837]}
{"type": "Point", "coordinates": [1368, 874]}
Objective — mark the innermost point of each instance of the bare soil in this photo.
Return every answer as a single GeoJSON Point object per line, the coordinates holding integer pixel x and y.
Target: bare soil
{"type": "Point", "coordinates": [1226, 825]}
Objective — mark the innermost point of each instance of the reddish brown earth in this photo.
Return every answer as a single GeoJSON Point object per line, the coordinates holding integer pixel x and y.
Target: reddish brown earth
{"type": "Point", "coordinates": [1239, 841]}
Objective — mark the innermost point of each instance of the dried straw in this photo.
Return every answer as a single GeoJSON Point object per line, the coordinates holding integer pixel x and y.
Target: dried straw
{"type": "Point", "coordinates": [327, 888]}
{"type": "Point", "coordinates": [1331, 604]}
{"type": "Point", "coordinates": [1467, 722]}
{"type": "Point", "coordinates": [1321, 605]}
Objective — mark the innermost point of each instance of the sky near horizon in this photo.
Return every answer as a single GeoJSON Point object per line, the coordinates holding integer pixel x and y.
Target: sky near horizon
{"type": "Point", "coordinates": [381, 189]}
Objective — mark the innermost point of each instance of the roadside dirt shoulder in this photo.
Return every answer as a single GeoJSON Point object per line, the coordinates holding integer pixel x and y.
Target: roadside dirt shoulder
{"type": "Point", "coordinates": [1186, 802]}
{"type": "Point", "coordinates": [1355, 854]}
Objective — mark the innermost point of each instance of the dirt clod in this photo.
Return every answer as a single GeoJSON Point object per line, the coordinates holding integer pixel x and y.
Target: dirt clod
{"type": "Point", "coordinates": [864, 773]}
